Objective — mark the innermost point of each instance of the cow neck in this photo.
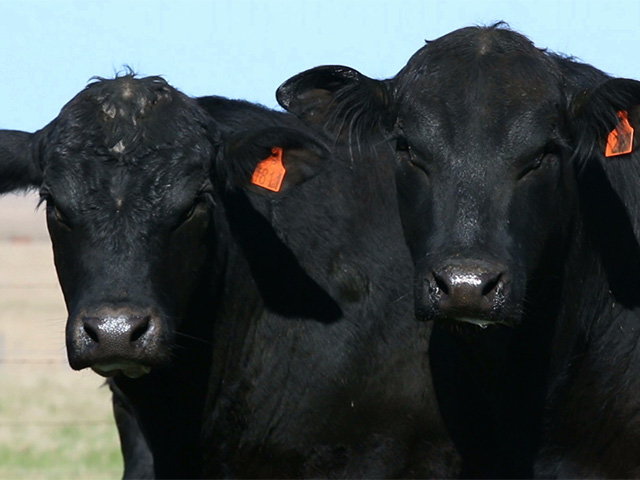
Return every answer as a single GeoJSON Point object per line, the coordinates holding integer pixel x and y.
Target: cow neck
{"type": "Point", "coordinates": [601, 281]}
{"type": "Point", "coordinates": [597, 344]}
{"type": "Point", "coordinates": [276, 363]}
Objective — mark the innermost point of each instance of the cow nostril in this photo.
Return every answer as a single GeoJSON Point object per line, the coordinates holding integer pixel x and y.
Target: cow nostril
{"type": "Point", "coordinates": [91, 332]}
{"type": "Point", "coordinates": [442, 285]}
{"type": "Point", "coordinates": [491, 285]}
{"type": "Point", "coordinates": [141, 328]}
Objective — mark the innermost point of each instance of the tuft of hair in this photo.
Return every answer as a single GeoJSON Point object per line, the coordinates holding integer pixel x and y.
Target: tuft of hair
{"type": "Point", "coordinates": [361, 113]}
{"type": "Point", "coordinates": [126, 112]}
{"type": "Point", "coordinates": [354, 108]}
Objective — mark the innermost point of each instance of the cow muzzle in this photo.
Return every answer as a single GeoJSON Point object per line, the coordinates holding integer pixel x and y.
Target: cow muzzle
{"type": "Point", "coordinates": [467, 291]}
{"type": "Point", "coordinates": [115, 341]}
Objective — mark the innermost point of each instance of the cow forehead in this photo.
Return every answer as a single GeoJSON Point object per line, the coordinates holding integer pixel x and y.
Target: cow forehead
{"type": "Point", "coordinates": [126, 116]}
{"type": "Point", "coordinates": [496, 87]}
{"type": "Point", "coordinates": [127, 128]}
{"type": "Point", "coordinates": [480, 71]}
{"type": "Point", "coordinates": [505, 102]}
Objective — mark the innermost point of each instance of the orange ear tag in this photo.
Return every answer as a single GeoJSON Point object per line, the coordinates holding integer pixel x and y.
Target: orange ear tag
{"type": "Point", "coordinates": [620, 139]}
{"type": "Point", "coordinates": [269, 173]}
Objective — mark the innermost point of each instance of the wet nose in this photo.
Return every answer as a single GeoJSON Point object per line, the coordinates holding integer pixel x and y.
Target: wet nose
{"type": "Point", "coordinates": [112, 336]}
{"type": "Point", "coordinates": [469, 289]}
{"type": "Point", "coordinates": [121, 331]}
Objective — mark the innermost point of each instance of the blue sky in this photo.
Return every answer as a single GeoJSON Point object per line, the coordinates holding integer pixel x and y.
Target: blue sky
{"type": "Point", "coordinates": [246, 48]}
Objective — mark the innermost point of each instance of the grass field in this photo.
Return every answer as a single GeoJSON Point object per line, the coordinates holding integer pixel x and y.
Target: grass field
{"type": "Point", "coordinates": [54, 423]}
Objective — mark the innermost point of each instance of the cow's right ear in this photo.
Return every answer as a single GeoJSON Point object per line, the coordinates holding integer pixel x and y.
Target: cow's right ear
{"type": "Point", "coordinates": [337, 99]}
{"type": "Point", "coordinates": [607, 129]}
{"type": "Point", "coordinates": [19, 170]}
{"type": "Point", "coordinates": [272, 160]}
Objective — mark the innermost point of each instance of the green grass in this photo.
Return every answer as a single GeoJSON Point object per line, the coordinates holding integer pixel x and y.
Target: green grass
{"type": "Point", "coordinates": [78, 451]}
{"type": "Point", "coordinates": [56, 424]}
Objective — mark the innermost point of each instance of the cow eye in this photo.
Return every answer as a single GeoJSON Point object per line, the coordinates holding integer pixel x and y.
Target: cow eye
{"type": "Point", "coordinates": [546, 158]}
{"type": "Point", "coordinates": [402, 145]}
{"type": "Point", "coordinates": [199, 202]}
{"type": "Point", "coordinates": [405, 152]}
{"type": "Point", "coordinates": [187, 214]}
{"type": "Point", "coordinates": [53, 212]}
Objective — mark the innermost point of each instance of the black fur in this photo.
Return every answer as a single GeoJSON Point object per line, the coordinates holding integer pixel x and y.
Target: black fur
{"type": "Point", "coordinates": [276, 325]}
{"type": "Point", "coordinates": [501, 175]}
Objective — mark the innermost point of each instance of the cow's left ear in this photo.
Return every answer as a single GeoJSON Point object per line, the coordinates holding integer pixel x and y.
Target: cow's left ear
{"type": "Point", "coordinates": [607, 130]}
{"type": "Point", "coordinates": [600, 112]}
{"type": "Point", "coordinates": [271, 160]}
{"type": "Point", "coordinates": [336, 98]}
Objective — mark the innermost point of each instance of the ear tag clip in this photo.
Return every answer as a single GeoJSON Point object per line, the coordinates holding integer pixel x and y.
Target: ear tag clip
{"type": "Point", "coordinates": [269, 173]}
{"type": "Point", "coordinates": [620, 139]}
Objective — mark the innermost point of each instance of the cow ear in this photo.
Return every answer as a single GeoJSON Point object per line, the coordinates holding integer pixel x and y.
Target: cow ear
{"type": "Point", "coordinates": [600, 111]}
{"type": "Point", "coordinates": [337, 99]}
{"type": "Point", "coordinates": [608, 130]}
{"type": "Point", "coordinates": [18, 167]}
{"type": "Point", "coordinates": [272, 160]}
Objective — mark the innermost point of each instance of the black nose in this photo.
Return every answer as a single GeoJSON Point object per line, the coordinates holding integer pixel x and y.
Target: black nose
{"type": "Point", "coordinates": [116, 332]}
{"type": "Point", "coordinates": [112, 340]}
{"type": "Point", "coordinates": [467, 289]}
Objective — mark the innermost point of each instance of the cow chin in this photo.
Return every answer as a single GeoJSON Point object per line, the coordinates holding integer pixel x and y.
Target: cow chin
{"type": "Point", "coordinates": [479, 322]}
{"type": "Point", "coordinates": [468, 319]}
{"type": "Point", "coordinates": [110, 364]}
{"type": "Point", "coordinates": [128, 369]}
{"type": "Point", "coordinates": [469, 322]}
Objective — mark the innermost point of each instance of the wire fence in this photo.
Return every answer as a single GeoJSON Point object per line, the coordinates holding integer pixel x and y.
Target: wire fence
{"type": "Point", "coordinates": [53, 419]}
{"type": "Point", "coordinates": [31, 361]}
{"type": "Point", "coordinates": [54, 422]}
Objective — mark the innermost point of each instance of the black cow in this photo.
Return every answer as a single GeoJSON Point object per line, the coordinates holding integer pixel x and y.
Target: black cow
{"type": "Point", "coordinates": [136, 453]}
{"type": "Point", "coordinates": [524, 239]}
{"type": "Point", "coordinates": [592, 424]}
{"type": "Point", "coordinates": [247, 331]}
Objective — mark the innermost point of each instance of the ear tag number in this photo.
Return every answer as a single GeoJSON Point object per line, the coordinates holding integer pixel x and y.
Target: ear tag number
{"type": "Point", "coordinates": [269, 173]}
{"type": "Point", "coordinates": [620, 139]}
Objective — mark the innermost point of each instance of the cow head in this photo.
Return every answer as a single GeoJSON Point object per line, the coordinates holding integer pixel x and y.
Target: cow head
{"type": "Point", "coordinates": [478, 120]}
{"type": "Point", "coordinates": [130, 171]}
{"type": "Point", "coordinates": [485, 183]}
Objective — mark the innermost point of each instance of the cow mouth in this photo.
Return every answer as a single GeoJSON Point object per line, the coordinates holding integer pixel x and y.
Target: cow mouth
{"type": "Point", "coordinates": [128, 369]}
{"type": "Point", "coordinates": [480, 322]}
{"type": "Point", "coordinates": [477, 323]}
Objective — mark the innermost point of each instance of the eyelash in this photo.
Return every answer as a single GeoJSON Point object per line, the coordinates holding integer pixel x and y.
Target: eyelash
{"type": "Point", "coordinates": [403, 148]}
{"type": "Point", "coordinates": [541, 160]}
{"type": "Point", "coordinates": [203, 197]}
{"type": "Point", "coordinates": [60, 217]}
